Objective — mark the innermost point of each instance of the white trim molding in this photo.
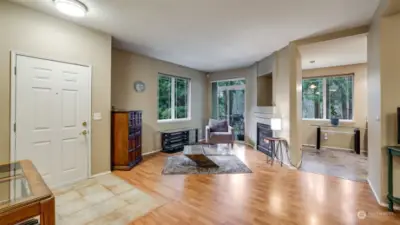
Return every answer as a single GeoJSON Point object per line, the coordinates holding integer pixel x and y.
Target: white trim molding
{"type": "Point", "coordinates": [152, 152]}
{"type": "Point", "coordinates": [333, 148]}
{"type": "Point", "coordinates": [100, 174]}
{"type": "Point", "coordinates": [378, 200]}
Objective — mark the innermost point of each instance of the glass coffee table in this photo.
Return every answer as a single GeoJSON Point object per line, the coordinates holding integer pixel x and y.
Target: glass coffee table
{"type": "Point", "coordinates": [24, 194]}
{"type": "Point", "coordinates": [196, 154]}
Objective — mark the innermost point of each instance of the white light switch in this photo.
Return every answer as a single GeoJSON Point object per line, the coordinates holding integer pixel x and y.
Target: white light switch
{"type": "Point", "coordinates": [96, 116]}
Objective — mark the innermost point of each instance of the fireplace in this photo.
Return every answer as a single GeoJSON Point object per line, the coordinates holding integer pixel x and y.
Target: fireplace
{"type": "Point", "coordinates": [263, 131]}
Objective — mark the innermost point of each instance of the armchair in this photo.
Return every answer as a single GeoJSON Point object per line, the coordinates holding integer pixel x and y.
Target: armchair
{"type": "Point", "coordinates": [220, 137]}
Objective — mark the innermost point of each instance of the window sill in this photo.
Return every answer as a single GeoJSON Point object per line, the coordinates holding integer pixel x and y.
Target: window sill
{"type": "Point", "coordinates": [174, 121]}
{"type": "Point", "coordinates": [328, 120]}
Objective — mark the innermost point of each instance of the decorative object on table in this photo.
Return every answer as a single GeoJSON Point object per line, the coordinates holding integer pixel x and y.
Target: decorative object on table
{"type": "Point", "coordinates": [216, 137]}
{"type": "Point", "coordinates": [334, 116]}
{"type": "Point", "coordinates": [180, 164]}
{"type": "Point", "coordinates": [276, 124]}
{"type": "Point", "coordinates": [392, 151]}
{"type": "Point", "coordinates": [31, 196]}
{"type": "Point", "coordinates": [174, 140]}
{"type": "Point", "coordinates": [139, 86]}
{"type": "Point", "coordinates": [126, 130]}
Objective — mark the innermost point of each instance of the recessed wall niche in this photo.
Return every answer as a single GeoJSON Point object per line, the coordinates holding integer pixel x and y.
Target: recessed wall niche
{"type": "Point", "coordinates": [264, 90]}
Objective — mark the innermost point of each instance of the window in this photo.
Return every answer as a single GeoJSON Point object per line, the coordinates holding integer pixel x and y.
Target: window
{"type": "Point", "coordinates": [173, 98]}
{"type": "Point", "coordinates": [324, 97]}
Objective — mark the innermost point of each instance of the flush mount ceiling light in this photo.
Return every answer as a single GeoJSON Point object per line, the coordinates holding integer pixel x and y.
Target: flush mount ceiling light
{"type": "Point", "coordinates": [73, 8]}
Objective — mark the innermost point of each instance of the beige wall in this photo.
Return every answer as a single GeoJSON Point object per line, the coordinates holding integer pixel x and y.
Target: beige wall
{"type": "Point", "coordinates": [390, 95]}
{"type": "Point", "coordinates": [340, 140]}
{"type": "Point", "coordinates": [374, 103]}
{"type": "Point", "coordinates": [128, 68]}
{"type": "Point", "coordinates": [37, 34]}
{"type": "Point", "coordinates": [383, 94]}
{"type": "Point", "coordinates": [288, 99]}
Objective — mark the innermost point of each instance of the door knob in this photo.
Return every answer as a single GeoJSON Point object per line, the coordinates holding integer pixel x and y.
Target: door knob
{"type": "Point", "coordinates": [84, 132]}
{"type": "Point", "coordinates": [84, 123]}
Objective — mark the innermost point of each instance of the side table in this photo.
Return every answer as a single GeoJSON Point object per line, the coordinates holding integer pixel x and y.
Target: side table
{"type": "Point", "coordinates": [25, 195]}
{"type": "Point", "coordinates": [276, 148]}
{"type": "Point", "coordinates": [392, 151]}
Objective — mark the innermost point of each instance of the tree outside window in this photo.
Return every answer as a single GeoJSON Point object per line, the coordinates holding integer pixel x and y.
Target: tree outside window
{"type": "Point", "coordinates": [173, 97]}
{"type": "Point", "coordinates": [321, 95]}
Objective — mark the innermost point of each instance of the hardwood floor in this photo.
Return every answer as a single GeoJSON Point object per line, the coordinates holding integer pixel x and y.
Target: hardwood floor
{"type": "Point", "coordinates": [270, 195]}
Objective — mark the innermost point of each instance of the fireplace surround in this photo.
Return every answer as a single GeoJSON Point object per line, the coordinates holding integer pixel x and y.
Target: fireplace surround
{"type": "Point", "coordinates": [263, 131]}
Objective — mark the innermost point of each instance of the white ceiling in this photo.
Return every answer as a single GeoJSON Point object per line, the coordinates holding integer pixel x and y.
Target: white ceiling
{"type": "Point", "coordinates": [214, 35]}
{"type": "Point", "coordinates": [338, 52]}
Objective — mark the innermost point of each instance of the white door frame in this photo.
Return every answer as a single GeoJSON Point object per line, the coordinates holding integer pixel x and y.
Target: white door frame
{"type": "Point", "coordinates": [13, 108]}
{"type": "Point", "coordinates": [233, 87]}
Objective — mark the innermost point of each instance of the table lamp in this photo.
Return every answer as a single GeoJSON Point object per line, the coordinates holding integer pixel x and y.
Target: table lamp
{"type": "Point", "coordinates": [276, 124]}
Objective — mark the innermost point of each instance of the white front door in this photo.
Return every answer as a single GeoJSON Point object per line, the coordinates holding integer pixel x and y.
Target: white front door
{"type": "Point", "coordinates": [52, 110]}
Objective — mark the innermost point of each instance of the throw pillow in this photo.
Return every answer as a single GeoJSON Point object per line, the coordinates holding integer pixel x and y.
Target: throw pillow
{"type": "Point", "coordinates": [218, 125]}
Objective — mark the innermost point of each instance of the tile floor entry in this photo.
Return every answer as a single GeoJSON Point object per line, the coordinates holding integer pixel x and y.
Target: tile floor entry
{"type": "Point", "coordinates": [338, 163]}
{"type": "Point", "coordinates": [105, 199]}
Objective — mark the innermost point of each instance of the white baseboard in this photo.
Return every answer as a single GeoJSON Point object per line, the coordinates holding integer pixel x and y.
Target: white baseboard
{"type": "Point", "coordinates": [383, 204]}
{"type": "Point", "coordinates": [100, 174]}
{"type": "Point", "coordinates": [248, 144]}
{"type": "Point", "coordinates": [332, 147]}
{"type": "Point", "coordinates": [152, 152]}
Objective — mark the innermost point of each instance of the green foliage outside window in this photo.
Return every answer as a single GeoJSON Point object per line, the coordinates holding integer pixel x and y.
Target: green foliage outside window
{"type": "Point", "coordinates": [338, 94]}
{"type": "Point", "coordinates": [172, 105]}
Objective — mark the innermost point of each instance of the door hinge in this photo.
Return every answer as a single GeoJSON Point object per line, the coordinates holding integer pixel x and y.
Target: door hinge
{"type": "Point", "coordinates": [15, 127]}
{"type": "Point", "coordinates": [15, 70]}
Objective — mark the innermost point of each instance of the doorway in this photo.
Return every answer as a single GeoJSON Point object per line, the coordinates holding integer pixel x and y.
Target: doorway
{"type": "Point", "coordinates": [229, 104]}
{"type": "Point", "coordinates": [51, 108]}
{"type": "Point", "coordinates": [334, 107]}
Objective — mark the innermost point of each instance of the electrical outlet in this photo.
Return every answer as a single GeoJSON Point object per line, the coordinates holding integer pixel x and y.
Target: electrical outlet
{"type": "Point", "coordinates": [325, 136]}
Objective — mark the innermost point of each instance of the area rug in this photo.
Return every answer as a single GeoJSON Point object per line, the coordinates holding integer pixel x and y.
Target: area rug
{"type": "Point", "coordinates": [338, 163]}
{"type": "Point", "coordinates": [180, 164]}
{"type": "Point", "coordinates": [217, 150]}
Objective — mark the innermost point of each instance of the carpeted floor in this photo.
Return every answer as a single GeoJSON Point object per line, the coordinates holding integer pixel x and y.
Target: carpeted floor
{"type": "Point", "coordinates": [338, 163]}
{"type": "Point", "coordinates": [180, 164]}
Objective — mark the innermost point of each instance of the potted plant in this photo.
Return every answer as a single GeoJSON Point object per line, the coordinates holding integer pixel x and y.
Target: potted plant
{"type": "Point", "coordinates": [334, 116]}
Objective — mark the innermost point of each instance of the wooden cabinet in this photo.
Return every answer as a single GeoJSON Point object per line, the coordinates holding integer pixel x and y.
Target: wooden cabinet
{"type": "Point", "coordinates": [126, 139]}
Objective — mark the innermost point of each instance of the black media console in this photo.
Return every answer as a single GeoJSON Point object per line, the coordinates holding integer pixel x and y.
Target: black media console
{"type": "Point", "coordinates": [174, 140]}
